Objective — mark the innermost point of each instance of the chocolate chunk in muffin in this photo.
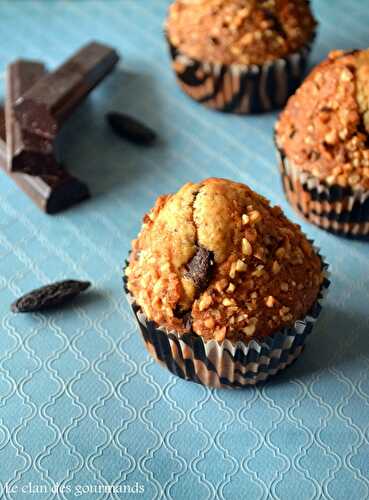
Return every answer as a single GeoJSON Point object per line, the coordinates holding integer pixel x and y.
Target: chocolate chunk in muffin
{"type": "Point", "coordinates": [200, 267]}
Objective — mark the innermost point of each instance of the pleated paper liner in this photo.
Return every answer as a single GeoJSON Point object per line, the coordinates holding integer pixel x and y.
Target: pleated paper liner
{"type": "Point", "coordinates": [240, 89]}
{"type": "Point", "coordinates": [342, 211]}
{"type": "Point", "coordinates": [227, 364]}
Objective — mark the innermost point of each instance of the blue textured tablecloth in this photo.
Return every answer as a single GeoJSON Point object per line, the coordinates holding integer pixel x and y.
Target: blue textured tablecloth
{"type": "Point", "coordinates": [82, 405]}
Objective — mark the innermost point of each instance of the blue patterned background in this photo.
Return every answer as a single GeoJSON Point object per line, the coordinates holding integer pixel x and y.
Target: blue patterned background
{"type": "Point", "coordinates": [81, 402]}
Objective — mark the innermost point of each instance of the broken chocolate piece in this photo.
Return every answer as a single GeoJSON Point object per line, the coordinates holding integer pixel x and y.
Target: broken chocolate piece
{"type": "Point", "coordinates": [199, 269]}
{"type": "Point", "coordinates": [46, 105]}
{"type": "Point", "coordinates": [49, 296]}
{"type": "Point", "coordinates": [53, 192]}
{"type": "Point", "coordinates": [26, 152]}
{"type": "Point", "coordinates": [129, 128]}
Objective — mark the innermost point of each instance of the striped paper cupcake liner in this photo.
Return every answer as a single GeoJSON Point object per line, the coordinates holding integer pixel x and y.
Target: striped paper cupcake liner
{"type": "Point", "coordinates": [227, 364]}
{"type": "Point", "coordinates": [237, 88]}
{"type": "Point", "coordinates": [342, 211]}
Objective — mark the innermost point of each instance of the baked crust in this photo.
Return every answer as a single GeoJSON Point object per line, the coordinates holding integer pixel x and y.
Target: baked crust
{"type": "Point", "coordinates": [217, 259]}
{"type": "Point", "coordinates": [240, 31]}
{"type": "Point", "coordinates": [324, 127]}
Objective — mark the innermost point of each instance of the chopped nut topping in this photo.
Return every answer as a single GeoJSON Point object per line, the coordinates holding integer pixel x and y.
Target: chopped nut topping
{"type": "Point", "coordinates": [249, 330]}
{"type": "Point", "coordinates": [209, 323]}
{"type": "Point", "coordinates": [245, 219]}
{"type": "Point", "coordinates": [331, 137]}
{"type": "Point", "coordinates": [242, 317]}
{"type": "Point", "coordinates": [231, 288]}
{"type": "Point", "coordinates": [276, 267]}
{"type": "Point", "coordinates": [246, 247]}
{"type": "Point", "coordinates": [221, 285]}
{"type": "Point", "coordinates": [241, 266]}
{"type": "Point", "coordinates": [346, 76]}
{"type": "Point", "coordinates": [157, 287]}
{"type": "Point", "coordinates": [255, 216]}
{"type": "Point", "coordinates": [259, 253]}
{"type": "Point", "coordinates": [270, 301]}
{"type": "Point", "coordinates": [284, 286]}
{"type": "Point", "coordinates": [259, 271]}
{"type": "Point", "coordinates": [205, 302]}
{"type": "Point", "coordinates": [232, 272]}
{"type": "Point", "coordinates": [228, 302]}
{"type": "Point", "coordinates": [280, 253]}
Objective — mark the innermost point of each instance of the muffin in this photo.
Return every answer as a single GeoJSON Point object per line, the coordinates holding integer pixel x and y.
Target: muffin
{"type": "Point", "coordinates": [225, 289]}
{"type": "Point", "coordinates": [240, 56]}
{"type": "Point", "coordinates": [323, 143]}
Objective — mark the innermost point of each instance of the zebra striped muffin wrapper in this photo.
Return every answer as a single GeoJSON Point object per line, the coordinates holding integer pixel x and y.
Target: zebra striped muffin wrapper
{"type": "Point", "coordinates": [339, 210]}
{"type": "Point", "coordinates": [240, 89]}
{"type": "Point", "coordinates": [228, 364]}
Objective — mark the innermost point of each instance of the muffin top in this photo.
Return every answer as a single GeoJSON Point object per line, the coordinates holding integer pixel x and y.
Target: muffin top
{"type": "Point", "coordinates": [325, 125]}
{"type": "Point", "coordinates": [239, 31]}
{"type": "Point", "coordinates": [216, 259]}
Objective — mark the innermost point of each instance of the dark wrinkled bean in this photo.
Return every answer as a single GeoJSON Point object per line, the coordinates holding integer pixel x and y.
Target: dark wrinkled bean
{"type": "Point", "coordinates": [129, 128]}
{"type": "Point", "coordinates": [55, 294]}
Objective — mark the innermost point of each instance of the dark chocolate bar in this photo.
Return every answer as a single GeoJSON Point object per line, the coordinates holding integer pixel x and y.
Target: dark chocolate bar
{"type": "Point", "coordinates": [45, 106]}
{"type": "Point", "coordinates": [27, 153]}
{"type": "Point", "coordinates": [52, 193]}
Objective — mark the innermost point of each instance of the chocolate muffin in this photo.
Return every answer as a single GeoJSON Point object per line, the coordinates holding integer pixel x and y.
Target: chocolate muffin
{"type": "Point", "coordinates": [240, 56]}
{"type": "Point", "coordinates": [224, 287]}
{"type": "Point", "coordinates": [322, 137]}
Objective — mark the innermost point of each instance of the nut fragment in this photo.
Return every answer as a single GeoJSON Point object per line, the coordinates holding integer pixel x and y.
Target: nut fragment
{"type": "Point", "coordinates": [281, 252]}
{"type": "Point", "coordinates": [245, 219]}
{"type": "Point", "coordinates": [249, 330]}
{"type": "Point", "coordinates": [221, 285]}
{"type": "Point", "coordinates": [209, 323]}
{"type": "Point", "coordinates": [331, 137]}
{"type": "Point", "coordinates": [228, 302]}
{"type": "Point", "coordinates": [270, 301]}
{"type": "Point", "coordinates": [255, 216]}
{"type": "Point", "coordinates": [232, 272]}
{"type": "Point", "coordinates": [346, 76]}
{"type": "Point", "coordinates": [241, 266]}
{"type": "Point", "coordinates": [259, 271]}
{"type": "Point", "coordinates": [231, 288]}
{"type": "Point", "coordinates": [276, 267]}
{"type": "Point", "coordinates": [284, 286]}
{"type": "Point", "coordinates": [246, 247]}
{"type": "Point", "coordinates": [205, 302]}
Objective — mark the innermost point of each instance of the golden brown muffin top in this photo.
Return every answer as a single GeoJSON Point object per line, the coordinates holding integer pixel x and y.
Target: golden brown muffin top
{"type": "Point", "coordinates": [325, 125]}
{"type": "Point", "coordinates": [217, 257]}
{"type": "Point", "coordinates": [240, 31]}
